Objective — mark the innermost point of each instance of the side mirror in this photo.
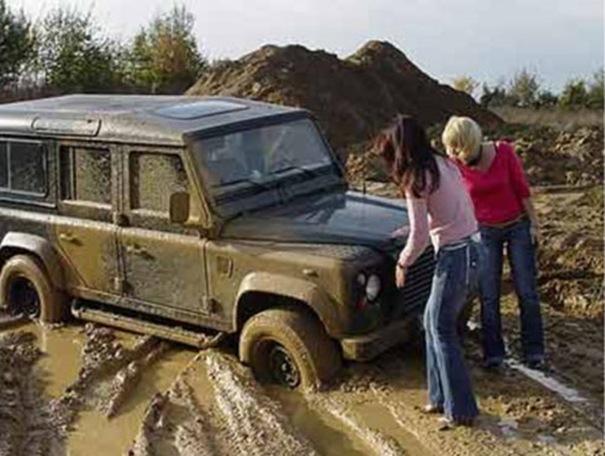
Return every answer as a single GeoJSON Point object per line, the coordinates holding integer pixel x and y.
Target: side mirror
{"type": "Point", "coordinates": [179, 207]}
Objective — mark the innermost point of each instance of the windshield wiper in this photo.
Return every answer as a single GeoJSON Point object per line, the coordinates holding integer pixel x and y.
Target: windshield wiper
{"type": "Point", "coordinates": [304, 170]}
{"type": "Point", "coordinates": [264, 186]}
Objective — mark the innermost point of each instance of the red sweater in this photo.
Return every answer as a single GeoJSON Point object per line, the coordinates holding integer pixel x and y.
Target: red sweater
{"type": "Point", "coordinates": [498, 192]}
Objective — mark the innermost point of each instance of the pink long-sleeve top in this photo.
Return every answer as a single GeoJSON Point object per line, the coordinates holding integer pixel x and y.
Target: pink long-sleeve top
{"type": "Point", "coordinates": [499, 191]}
{"type": "Point", "coordinates": [444, 216]}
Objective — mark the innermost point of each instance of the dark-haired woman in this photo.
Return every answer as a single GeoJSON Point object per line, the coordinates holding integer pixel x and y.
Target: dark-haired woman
{"type": "Point", "coordinates": [439, 209]}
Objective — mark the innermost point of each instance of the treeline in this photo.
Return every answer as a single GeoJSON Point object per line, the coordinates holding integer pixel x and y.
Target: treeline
{"type": "Point", "coordinates": [525, 90]}
{"type": "Point", "coordinates": [67, 51]}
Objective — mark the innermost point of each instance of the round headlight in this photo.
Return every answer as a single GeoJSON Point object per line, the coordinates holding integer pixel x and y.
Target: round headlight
{"type": "Point", "coordinates": [373, 287]}
{"type": "Point", "coordinates": [361, 279]}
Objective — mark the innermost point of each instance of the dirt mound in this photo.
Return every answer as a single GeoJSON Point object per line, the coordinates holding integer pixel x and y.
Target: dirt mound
{"type": "Point", "coordinates": [352, 98]}
{"type": "Point", "coordinates": [553, 157]}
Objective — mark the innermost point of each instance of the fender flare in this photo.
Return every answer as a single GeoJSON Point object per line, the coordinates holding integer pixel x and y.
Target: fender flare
{"type": "Point", "coordinates": [39, 247]}
{"type": "Point", "coordinates": [290, 287]}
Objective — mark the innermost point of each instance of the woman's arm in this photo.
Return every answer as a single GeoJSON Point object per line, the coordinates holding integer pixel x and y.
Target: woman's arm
{"type": "Point", "coordinates": [517, 175]}
{"type": "Point", "coordinates": [528, 205]}
{"type": "Point", "coordinates": [419, 231]}
{"type": "Point", "coordinates": [523, 191]}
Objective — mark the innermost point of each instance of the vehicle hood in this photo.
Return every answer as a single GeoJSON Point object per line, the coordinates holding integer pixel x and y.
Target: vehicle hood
{"type": "Point", "coordinates": [349, 218]}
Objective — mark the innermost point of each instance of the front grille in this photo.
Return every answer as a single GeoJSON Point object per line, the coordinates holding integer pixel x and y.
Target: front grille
{"type": "Point", "coordinates": [417, 289]}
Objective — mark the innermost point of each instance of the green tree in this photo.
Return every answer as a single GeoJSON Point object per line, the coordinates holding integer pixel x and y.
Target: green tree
{"type": "Point", "coordinates": [523, 88]}
{"type": "Point", "coordinates": [16, 44]}
{"type": "Point", "coordinates": [465, 84]}
{"type": "Point", "coordinates": [574, 94]}
{"type": "Point", "coordinates": [165, 57]}
{"type": "Point", "coordinates": [595, 90]}
{"type": "Point", "coordinates": [73, 55]}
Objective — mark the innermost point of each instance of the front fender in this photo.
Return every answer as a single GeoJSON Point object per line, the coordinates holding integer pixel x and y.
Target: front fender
{"type": "Point", "coordinates": [41, 248]}
{"type": "Point", "coordinates": [294, 288]}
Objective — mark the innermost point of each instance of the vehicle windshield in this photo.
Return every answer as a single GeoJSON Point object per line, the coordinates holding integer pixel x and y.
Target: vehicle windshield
{"type": "Point", "coordinates": [244, 164]}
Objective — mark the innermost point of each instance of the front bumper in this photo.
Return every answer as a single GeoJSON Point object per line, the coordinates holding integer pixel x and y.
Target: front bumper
{"type": "Point", "coordinates": [368, 346]}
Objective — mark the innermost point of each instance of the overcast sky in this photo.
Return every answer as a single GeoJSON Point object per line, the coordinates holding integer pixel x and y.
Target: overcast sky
{"type": "Point", "coordinates": [487, 39]}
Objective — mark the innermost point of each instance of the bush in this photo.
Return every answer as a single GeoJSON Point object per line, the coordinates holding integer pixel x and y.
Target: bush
{"type": "Point", "coordinates": [574, 95]}
{"type": "Point", "coordinates": [595, 91]}
{"type": "Point", "coordinates": [523, 88]}
{"type": "Point", "coordinates": [546, 99]}
{"type": "Point", "coordinates": [465, 84]}
{"type": "Point", "coordinates": [494, 97]}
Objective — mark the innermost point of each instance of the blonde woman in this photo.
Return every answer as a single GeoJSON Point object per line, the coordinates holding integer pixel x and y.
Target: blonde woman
{"type": "Point", "coordinates": [494, 177]}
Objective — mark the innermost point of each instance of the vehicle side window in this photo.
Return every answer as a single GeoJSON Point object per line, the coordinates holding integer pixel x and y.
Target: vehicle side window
{"type": "Point", "coordinates": [3, 165]}
{"type": "Point", "coordinates": [23, 167]}
{"type": "Point", "coordinates": [153, 178]}
{"type": "Point", "coordinates": [86, 175]}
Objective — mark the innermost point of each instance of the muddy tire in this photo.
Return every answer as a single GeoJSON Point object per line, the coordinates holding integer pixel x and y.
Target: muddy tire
{"type": "Point", "coordinates": [25, 288]}
{"type": "Point", "coordinates": [289, 347]}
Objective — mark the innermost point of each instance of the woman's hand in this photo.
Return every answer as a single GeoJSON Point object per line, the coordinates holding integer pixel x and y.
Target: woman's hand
{"type": "Point", "coordinates": [534, 230]}
{"type": "Point", "coordinates": [400, 232]}
{"type": "Point", "coordinates": [534, 223]}
{"type": "Point", "coordinates": [400, 272]}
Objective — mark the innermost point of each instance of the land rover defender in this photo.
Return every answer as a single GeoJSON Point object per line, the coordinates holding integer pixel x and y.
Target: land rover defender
{"type": "Point", "coordinates": [187, 216]}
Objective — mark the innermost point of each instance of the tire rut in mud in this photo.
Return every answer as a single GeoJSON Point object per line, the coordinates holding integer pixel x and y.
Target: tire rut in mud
{"type": "Point", "coordinates": [109, 373]}
{"type": "Point", "coordinates": [239, 418]}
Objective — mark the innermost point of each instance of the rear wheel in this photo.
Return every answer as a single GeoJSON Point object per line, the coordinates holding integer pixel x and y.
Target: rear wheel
{"type": "Point", "coordinates": [289, 347]}
{"type": "Point", "coordinates": [26, 289]}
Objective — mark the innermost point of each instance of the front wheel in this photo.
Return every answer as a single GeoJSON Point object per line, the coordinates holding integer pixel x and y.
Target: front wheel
{"type": "Point", "coordinates": [290, 347]}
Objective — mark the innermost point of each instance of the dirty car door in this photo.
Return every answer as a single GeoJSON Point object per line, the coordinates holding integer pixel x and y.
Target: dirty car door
{"type": "Point", "coordinates": [163, 263]}
{"type": "Point", "coordinates": [86, 233]}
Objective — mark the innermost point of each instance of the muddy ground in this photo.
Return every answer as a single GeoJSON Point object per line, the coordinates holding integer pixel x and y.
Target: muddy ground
{"type": "Point", "coordinates": [83, 389]}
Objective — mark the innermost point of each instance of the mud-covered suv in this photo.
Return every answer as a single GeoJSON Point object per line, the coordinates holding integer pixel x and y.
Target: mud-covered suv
{"type": "Point", "coordinates": [177, 216]}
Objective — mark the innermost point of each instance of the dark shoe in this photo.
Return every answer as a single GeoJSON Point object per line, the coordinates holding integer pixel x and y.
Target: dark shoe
{"type": "Point", "coordinates": [430, 409]}
{"type": "Point", "coordinates": [493, 364]}
{"type": "Point", "coordinates": [536, 363]}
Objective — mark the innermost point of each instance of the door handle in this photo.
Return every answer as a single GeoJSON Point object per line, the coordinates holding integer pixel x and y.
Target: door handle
{"type": "Point", "coordinates": [68, 237]}
{"type": "Point", "coordinates": [136, 249]}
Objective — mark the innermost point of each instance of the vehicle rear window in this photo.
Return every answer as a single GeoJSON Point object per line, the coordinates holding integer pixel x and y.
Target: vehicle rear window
{"type": "Point", "coordinates": [86, 175]}
{"type": "Point", "coordinates": [154, 177]}
{"type": "Point", "coordinates": [23, 167]}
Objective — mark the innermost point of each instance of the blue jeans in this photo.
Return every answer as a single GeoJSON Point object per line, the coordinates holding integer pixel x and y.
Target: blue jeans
{"type": "Point", "coordinates": [522, 259]}
{"type": "Point", "coordinates": [456, 276]}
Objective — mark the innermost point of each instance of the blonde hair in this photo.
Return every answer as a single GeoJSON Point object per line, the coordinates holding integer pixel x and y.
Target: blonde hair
{"type": "Point", "coordinates": [462, 137]}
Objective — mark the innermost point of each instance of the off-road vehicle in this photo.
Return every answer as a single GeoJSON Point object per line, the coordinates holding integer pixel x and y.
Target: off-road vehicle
{"type": "Point", "coordinates": [177, 216]}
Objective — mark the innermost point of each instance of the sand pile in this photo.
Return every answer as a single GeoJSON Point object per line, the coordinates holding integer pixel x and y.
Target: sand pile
{"type": "Point", "coordinates": [353, 98]}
